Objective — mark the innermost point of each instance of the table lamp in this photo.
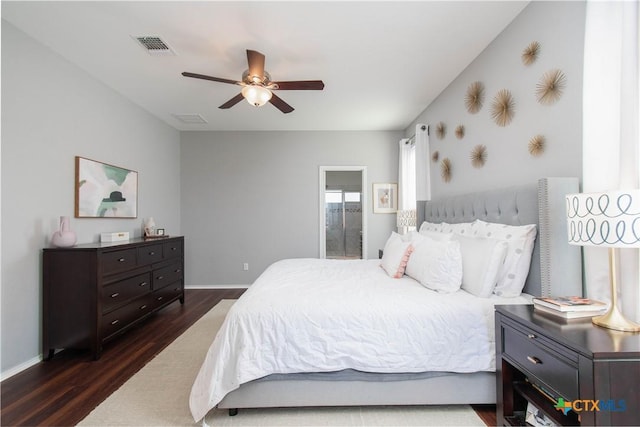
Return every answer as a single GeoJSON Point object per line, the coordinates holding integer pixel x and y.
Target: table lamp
{"type": "Point", "coordinates": [611, 220]}
{"type": "Point", "coordinates": [406, 219]}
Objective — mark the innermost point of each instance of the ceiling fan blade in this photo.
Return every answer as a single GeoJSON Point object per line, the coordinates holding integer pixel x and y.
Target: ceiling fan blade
{"type": "Point", "coordinates": [280, 104]}
{"type": "Point", "coordinates": [233, 101]}
{"type": "Point", "coordinates": [215, 79]}
{"type": "Point", "coordinates": [301, 85]}
{"type": "Point", "coordinates": [256, 64]}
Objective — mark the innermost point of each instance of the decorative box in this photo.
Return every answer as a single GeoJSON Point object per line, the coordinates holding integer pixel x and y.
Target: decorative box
{"type": "Point", "coordinates": [114, 237]}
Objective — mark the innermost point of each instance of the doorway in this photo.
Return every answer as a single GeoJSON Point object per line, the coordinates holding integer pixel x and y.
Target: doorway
{"type": "Point", "coordinates": [342, 212]}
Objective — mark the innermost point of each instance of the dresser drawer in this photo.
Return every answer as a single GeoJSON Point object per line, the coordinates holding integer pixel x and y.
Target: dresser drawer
{"type": "Point", "coordinates": [161, 296]}
{"type": "Point", "coordinates": [167, 275]}
{"type": "Point", "coordinates": [120, 292]}
{"type": "Point", "coordinates": [113, 262]}
{"type": "Point", "coordinates": [149, 254]}
{"type": "Point", "coordinates": [123, 316]}
{"type": "Point", "coordinates": [172, 249]}
{"type": "Point", "coordinates": [542, 362]}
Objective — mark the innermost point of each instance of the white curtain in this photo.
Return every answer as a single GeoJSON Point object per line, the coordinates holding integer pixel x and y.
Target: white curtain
{"type": "Point", "coordinates": [407, 175]}
{"type": "Point", "coordinates": [611, 141]}
{"type": "Point", "coordinates": [423, 163]}
{"type": "Point", "coordinates": [406, 181]}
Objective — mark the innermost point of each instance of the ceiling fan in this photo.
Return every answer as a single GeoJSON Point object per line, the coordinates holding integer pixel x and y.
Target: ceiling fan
{"type": "Point", "coordinates": [257, 86]}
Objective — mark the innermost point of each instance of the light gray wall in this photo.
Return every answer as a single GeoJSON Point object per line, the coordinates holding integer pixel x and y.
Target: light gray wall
{"type": "Point", "coordinates": [559, 28]}
{"type": "Point", "coordinates": [51, 112]}
{"type": "Point", "coordinates": [253, 196]}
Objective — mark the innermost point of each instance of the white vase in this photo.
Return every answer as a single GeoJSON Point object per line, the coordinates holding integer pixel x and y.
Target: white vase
{"type": "Point", "coordinates": [65, 237]}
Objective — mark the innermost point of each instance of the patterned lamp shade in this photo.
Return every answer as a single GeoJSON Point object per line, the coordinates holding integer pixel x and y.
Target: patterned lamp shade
{"type": "Point", "coordinates": [610, 219]}
{"type": "Point", "coordinates": [406, 218]}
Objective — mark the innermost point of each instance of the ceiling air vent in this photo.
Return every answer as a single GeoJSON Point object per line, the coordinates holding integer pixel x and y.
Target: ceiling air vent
{"type": "Point", "coordinates": [154, 45]}
{"type": "Point", "coordinates": [190, 119]}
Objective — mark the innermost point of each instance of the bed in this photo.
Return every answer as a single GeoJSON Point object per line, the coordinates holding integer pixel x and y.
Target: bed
{"type": "Point", "coordinates": [330, 362]}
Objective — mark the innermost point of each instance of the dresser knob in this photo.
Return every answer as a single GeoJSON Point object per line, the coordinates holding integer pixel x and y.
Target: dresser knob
{"type": "Point", "coordinates": [152, 253]}
{"type": "Point", "coordinates": [160, 298]}
{"type": "Point", "coordinates": [160, 277]}
{"type": "Point", "coordinates": [115, 321]}
{"type": "Point", "coordinates": [143, 284]}
{"type": "Point", "coordinates": [177, 270]}
{"type": "Point", "coordinates": [114, 295]}
{"type": "Point", "coordinates": [531, 336]}
{"type": "Point", "coordinates": [121, 260]}
{"type": "Point", "coordinates": [534, 360]}
{"type": "Point", "coordinates": [143, 307]}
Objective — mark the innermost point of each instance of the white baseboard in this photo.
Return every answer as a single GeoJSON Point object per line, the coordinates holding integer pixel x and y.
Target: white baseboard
{"type": "Point", "coordinates": [21, 367]}
{"type": "Point", "coordinates": [217, 287]}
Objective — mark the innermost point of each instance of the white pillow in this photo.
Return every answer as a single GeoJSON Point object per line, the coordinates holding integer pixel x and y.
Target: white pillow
{"type": "Point", "coordinates": [436, 235]}
{"type": "Point", "coordinates": [481, 261]}
{"type": "Point", "coordinates": [463, 228]}
{"type": "Point", "coordinates": [520, 241]}
{"type": "Point", "coordinates": [436, 264]}
{"type": "Point", "coordinates": [395, 256]}
{"type": "Point", "coordinates": [431, 226]}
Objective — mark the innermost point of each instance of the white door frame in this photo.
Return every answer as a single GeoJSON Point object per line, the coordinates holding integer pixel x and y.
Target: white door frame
{"type": "Point", "coordinates": [322, 186]}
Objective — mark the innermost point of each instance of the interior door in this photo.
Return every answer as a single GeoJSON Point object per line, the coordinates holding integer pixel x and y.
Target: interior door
{"type": "Point", "coordinates": [342, 216]}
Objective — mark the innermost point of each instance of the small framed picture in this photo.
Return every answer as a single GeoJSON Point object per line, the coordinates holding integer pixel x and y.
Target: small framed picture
{"type": "Point", "coordinates": [385, 198]}
{"type": "Point", "coordinates": [160, 231]}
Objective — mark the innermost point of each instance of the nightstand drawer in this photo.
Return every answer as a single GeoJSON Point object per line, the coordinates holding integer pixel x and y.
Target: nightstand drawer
{"type": "Point", "coordinates": [543, 363]}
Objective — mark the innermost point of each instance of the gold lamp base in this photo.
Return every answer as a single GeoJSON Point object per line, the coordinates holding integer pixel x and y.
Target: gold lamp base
{"type": "Point", "coordinates": [613, 318]}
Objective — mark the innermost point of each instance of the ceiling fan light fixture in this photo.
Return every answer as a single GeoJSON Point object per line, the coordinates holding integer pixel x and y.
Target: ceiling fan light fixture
{"type": "Point", "coordinates": [256, 95]}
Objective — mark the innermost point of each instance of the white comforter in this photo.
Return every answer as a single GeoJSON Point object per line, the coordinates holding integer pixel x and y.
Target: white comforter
{"type": "Point", "coordinates": [313, 315]}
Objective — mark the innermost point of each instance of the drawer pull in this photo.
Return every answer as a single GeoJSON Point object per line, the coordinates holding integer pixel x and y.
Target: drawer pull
{"type": "Point", "coordinates": [143, 284]}
{"type": "Point", "coordinates": [160, 277]}
{"type": "Point", "coordinates": [174, 249]}
{"type": "Point", "coordinates": [531, 336]}
{"type": "Point", "coordinates": [160, 298]}
{"type": "Point", "coordinates": [115, 321]}
{"type": "Point", "coordinates": [115, 295]}
{"type": "Point", "coordinates": [177, 270]}
{"type": "Point", "coordinates": [152, 253]}
{"type": "Point", "coordinates": [534, 360]}
{"type": "Point", "coordinates": [143, 307]}
{"type": "Point", "coordinates": [121, 260]}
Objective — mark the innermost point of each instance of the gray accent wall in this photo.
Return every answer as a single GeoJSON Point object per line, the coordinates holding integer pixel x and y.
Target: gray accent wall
{"type": "Point", "coordinates": [253, 197]}
{"type": "Point", "coordinates": [559, 28]}
{"type": "Point", "coordinates": [53, 111]}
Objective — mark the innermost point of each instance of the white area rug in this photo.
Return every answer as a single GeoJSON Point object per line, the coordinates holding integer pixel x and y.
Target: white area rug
{"type": "Point", "coordinates": [158, 395]}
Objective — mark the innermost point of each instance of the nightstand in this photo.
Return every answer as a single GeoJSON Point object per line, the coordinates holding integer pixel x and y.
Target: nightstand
{"type": "Point", "coordinates": [541, 359]}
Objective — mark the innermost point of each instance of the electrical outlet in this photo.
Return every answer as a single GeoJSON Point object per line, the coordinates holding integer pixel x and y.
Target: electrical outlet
{"type": "Point", "coordinates": [245, 266]}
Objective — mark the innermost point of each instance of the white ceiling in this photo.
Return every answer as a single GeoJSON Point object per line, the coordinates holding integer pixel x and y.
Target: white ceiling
{"type": "Point", "coordinates": [382, 63]}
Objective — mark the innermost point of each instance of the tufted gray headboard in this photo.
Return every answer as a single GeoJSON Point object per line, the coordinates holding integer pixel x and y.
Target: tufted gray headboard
{"type": "Point", "coordinates": [556, 267]}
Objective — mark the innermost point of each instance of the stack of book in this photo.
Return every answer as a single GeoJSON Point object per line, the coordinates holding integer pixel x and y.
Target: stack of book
{"type": "Point", "coordinates": [569, 307]}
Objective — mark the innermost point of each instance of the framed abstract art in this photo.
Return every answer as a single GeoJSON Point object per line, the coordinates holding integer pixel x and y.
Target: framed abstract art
{"type": "Point", "coordinates": [105, 191]}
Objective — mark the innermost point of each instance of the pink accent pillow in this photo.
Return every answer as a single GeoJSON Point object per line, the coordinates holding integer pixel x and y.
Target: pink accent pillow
{"type": "Point", "coordinates": [396, 255]}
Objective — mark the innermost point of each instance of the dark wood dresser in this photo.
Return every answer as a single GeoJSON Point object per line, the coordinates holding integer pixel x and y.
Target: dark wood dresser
{"type": "Point", "coordinates": [541, 359]}
{"type": "Point", "coordinates": [93, 292]}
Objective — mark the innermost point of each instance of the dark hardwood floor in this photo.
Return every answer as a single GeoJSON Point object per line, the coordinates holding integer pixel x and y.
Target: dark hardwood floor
{"type": "Point", "coordinates": [63, 391]}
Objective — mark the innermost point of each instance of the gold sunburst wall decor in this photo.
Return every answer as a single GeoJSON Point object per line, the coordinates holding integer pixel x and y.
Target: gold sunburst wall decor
{"type": "Point", "coordinates": [503, 108]}
{"type": "Point", "coordinates": [530, 53]}
{"type": "Point", "coordinates": [445, 169]}
{"type": "Point", "coordinates": [435, 156]}
{"type": "Point", "coordinates": [479, 155]}
{"type": "Point", "coordinates": [551, 86]}
{"type": "Point", "coordinates": [441, 130]}
{"type": "Point", "coordinates": [537, 145]}
{"type": "Point", "coordinates": [474, 99]}
{"type": "Point", "coordinates": [460, 131]}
